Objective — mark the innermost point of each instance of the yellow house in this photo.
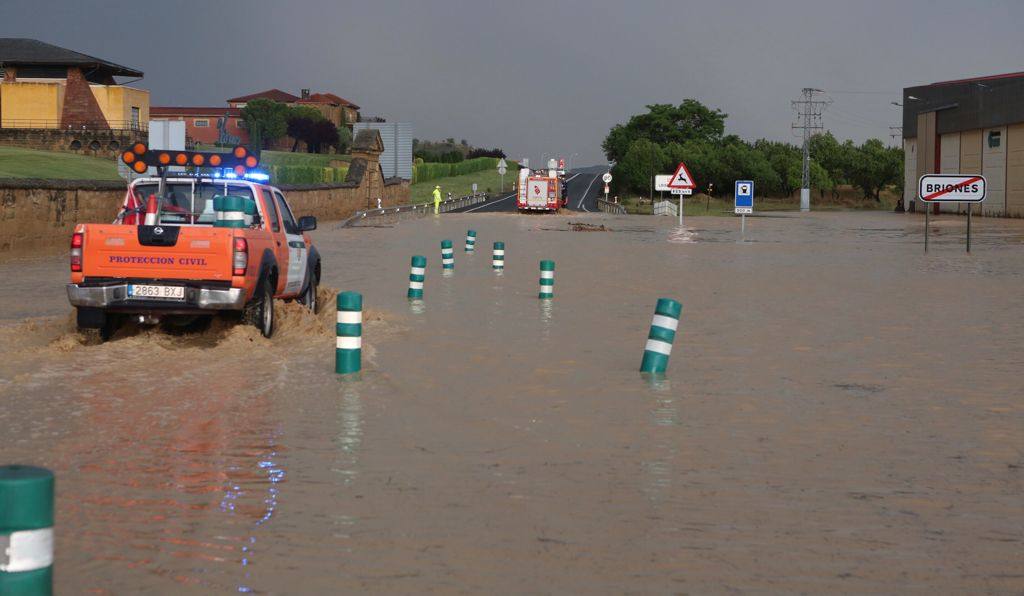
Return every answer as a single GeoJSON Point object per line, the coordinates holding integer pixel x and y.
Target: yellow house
{"type": "Point", "coordinates": [43, 86]}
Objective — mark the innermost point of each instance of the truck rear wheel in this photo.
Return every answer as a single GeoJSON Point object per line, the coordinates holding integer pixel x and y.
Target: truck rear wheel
{"type": "Point", "coordinates": [106, 324]}
{"type": "Point", "coordinates": [260, 312]}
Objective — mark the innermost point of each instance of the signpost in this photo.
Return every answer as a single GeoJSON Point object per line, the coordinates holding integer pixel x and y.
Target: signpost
{"type": "Point", "coordinates": [950, 188]}
{"type": "Point", "coordinates": [681, 181]}
{"type": "Point", "coordinates": [502, 168]}
{"type": "Point", "coordinates": [743, 202]}
{"type": "Point", "coordinates": [607, 179]}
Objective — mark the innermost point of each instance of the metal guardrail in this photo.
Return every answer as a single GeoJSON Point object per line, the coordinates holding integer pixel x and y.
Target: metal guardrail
{"type": "Point", "coordinates": [391, 214]}
{"type": "Point", "coordinates": [609, 207]}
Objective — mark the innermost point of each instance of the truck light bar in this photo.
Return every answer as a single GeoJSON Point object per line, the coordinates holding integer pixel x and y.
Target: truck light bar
{"type": "Point", "coordinates": [140, 158]}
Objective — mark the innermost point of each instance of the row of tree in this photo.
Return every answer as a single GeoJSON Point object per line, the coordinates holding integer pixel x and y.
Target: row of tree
{"type": "Point", "coordinates": [655, 142]}
{"type": "Point", "coordinates": [268, 120]}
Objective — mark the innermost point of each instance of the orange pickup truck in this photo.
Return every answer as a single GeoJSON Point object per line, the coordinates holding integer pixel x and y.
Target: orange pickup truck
{"type": "Point", "coordinates": [211, 244]}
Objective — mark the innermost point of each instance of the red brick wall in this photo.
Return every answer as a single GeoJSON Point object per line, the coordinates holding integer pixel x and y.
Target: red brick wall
{"type": "Point", "coordinates": [80, 105]}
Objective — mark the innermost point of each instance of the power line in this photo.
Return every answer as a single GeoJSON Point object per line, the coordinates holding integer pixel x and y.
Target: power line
{"type": "Point", "coordinates": [809, 109]}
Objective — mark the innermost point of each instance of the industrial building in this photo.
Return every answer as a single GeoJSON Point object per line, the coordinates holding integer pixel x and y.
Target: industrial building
{"type": "Point", "coordinates": [967, 126]}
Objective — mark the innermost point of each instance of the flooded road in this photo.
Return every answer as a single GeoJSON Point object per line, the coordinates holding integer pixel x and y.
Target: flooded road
{"type": "Point", "coordinates": [841, 413]}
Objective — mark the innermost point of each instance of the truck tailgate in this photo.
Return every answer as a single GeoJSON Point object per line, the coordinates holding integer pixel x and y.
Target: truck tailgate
{"type": "Point", "coordinates": [157, 252]}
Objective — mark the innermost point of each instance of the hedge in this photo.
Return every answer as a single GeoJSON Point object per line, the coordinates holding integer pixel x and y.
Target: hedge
{"type": "Point", "coordinates": [306, 174]}
{"type": "Point", "coordinates": [423, 172]}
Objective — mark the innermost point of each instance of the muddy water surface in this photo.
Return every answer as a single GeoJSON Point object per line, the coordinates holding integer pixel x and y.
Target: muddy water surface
{"type": "Point", "coordinates": [841, 413]}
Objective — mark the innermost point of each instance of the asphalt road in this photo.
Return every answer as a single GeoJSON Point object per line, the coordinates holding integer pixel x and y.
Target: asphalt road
{"type": "Point", "coordinates": [584, 188]}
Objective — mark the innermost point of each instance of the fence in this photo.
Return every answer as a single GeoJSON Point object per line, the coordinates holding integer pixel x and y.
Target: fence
{"type": "Point", "coordinates": [609, 207]}
{"type": "Point", "coordinates": [393, 214]}
{"type": "Point", "coordinates": [666, 208]}
{"type": "Point", "coordinates": [78, 125]}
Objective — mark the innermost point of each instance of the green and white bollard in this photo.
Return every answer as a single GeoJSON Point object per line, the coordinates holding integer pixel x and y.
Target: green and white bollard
{"type": "Point", "coordinates": [447, 255]}
{"type": "Point", "coordinates": [26, 531]}
{"type": "Point", "coordinates": [348, 354]}
{"type": "Point", "coordinates": [547, 279]}
{"type": "Point", "coordinates": [661, 336]}
{"type": "Point", "coordinates": [417, 274]}
{"type": "Point", "coordinates": [233, 211]}
{"type": "Point", "coordinates": [470, 240]}
{"type": "Point", "coordinates": [498, 259]}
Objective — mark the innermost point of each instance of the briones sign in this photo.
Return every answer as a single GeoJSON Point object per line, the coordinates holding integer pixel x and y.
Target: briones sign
{"type": "Point", "coordinates": [951, 188]}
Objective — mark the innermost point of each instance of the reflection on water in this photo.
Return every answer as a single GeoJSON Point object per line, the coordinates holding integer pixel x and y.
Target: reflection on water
{"type": "Point", "coordinates": [274, 474]}
{"type": "Point", "coordinates": [658, 469]}
{"type": "Point", "coordinates": [417, 307]}
{"type": "Point", "coordinates": [547, 313]}
{"type": "Point", "coordinates": [682, 236]}
{"type": "Point", "coordinates": [351, 437]}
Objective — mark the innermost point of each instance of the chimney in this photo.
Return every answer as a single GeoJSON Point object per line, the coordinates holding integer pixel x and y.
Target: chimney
{"type": "Point", "coordinates": [305, 93]}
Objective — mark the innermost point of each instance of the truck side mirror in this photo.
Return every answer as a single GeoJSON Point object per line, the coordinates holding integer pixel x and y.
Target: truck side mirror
{"type": "Point", "coordinates": [307, 223]}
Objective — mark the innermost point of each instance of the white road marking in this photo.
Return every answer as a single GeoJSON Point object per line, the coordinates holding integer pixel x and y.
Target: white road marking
{"type": "Point", "coordinates": [486, 204]}
{"type": "Point", "coordinates": [585, 194]}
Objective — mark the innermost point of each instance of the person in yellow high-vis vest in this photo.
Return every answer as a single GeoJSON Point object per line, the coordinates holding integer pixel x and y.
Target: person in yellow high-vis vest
{"type": "Point", "coordinates": [437, 200]}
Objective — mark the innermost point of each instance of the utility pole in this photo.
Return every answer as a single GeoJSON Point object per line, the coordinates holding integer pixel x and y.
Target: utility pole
{"type": "Point", "coordinates": [808, 111]}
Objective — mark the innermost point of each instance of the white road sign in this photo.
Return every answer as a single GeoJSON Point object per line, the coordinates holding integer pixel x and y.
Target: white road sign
{"type": "Point", "coordinates": [682, 178]}
{"type": "Point", "coordinates": [502, 169]}
{"type": "Point", "coordinates": [951, 188]}
{"type": "Point", "coordinates": [606, 177]}
{"type": "Point", "coordinates": [661, 182]}
{"type": "Point", "coordinates": [682, 191]}
{"type": "Point", "coordinates": [502, 164]}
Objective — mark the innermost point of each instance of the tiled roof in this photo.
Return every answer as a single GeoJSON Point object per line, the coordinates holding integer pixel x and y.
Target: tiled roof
{"type": "Point", "coordinates": [15, 51]}
{"type": "Point", "coordinates": [328, 98]}
{"type": "Point", "coordinates": [167, 111]}
{"type": "Point", "coordinates": [274, 94]}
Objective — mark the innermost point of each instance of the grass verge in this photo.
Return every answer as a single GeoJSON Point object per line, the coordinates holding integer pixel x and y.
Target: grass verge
{"type": "Point", "coordinates": [487, 181]}
{"type": "Point", "coordinates": [16, 162]}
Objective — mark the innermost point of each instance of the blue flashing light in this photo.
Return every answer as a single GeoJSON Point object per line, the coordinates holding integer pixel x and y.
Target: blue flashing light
{"type": "Point", "coordinates": [257, 176]}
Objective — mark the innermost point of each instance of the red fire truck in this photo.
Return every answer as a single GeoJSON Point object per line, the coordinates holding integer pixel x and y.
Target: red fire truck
{"type": "Point", "coordinates": [540, 191]}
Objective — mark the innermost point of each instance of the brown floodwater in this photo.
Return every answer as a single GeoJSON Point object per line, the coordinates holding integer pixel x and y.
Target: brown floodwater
{"type": "Point", "coordinates": [842, 413]}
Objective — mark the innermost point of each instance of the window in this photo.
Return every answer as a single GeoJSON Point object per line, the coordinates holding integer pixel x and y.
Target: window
{"type": "Point", "coordinates": [271, 211]}
{"type": "Point", "coordinates": [135, 118]}
{"type": "Point", "coordinates": [201, 123]}
{"type": "Point", "coordinates": [994, 138]}
{"type": "Point", "coordinates": [290, 226]}
{"type": "Point", "coordinates": [240, 123]}
{"type": "Point", "coordinates": [189, 203]}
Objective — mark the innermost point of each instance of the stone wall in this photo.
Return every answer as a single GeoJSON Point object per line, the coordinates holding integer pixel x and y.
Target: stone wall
{"type": "Point", "coordinates": [38, 216]}
{"type": "Point", "coordinates": [98, 143]}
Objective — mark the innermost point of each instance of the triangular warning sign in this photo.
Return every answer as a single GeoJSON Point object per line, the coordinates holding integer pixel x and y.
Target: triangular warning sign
{"type": "Point", "coordinates": [682, 178]}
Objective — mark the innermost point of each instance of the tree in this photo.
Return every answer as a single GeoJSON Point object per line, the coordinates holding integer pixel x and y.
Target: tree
{"type": "Point", "coordinates": [322, 134]}
{"type": "Point", "coordinates": [344, 140]}
{"type": "Point", "coordinates": [664, 124]}
{"type": "Point", "coordinates": [266, 120]}
{"type": "Point", "coordinates": [875, 167]}
{"type": "Point", "coordinates": [642, 160]}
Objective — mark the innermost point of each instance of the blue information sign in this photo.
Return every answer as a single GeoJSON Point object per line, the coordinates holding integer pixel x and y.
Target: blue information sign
{"type": "Point", "coordinates": [744, 197]}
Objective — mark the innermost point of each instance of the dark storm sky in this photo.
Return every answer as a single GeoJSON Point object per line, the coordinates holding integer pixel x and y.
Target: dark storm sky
{"type": "Point", "coordinates": [551, 76]}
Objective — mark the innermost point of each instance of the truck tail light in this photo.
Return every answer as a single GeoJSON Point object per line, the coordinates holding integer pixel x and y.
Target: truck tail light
{"type": "Point", "coordinates": [240, 260]}
{"type": "Point", "coordinates": [77, 240]}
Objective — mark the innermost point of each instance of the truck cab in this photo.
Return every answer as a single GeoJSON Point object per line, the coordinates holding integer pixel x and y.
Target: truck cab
{"type": "Point", "coordinates": [187, 246]}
